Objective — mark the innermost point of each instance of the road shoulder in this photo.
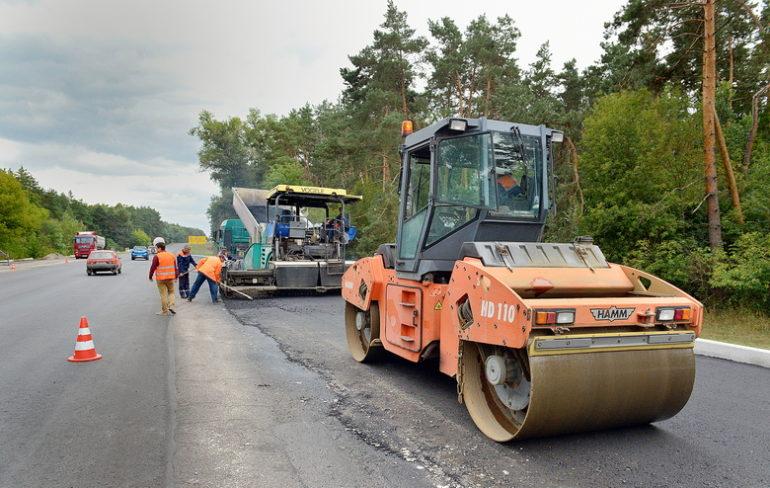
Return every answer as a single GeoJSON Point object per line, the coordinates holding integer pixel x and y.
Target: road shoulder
{"type": "Point", "coordinates": [248, 416]}
{"type": "Point", "coordinates": [733, 352]}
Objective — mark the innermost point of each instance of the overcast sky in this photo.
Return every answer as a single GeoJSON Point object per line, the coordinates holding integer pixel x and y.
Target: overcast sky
{"type": "Point", "coordinates": [97, 97]}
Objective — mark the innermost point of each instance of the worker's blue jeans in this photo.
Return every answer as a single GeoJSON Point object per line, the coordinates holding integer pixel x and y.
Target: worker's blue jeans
{"type": "Point", "coordinates": [213, 287]}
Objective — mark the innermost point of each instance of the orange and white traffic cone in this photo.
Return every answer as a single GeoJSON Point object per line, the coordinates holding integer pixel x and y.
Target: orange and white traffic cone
{"type": "Point", "coordinates": [13, 266]}
{"type": "Point", "coordinates": [84, 345]}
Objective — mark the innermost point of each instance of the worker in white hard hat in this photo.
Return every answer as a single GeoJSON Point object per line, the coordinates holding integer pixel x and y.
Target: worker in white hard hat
{"type": "Point", "coordinates": [157, 240]}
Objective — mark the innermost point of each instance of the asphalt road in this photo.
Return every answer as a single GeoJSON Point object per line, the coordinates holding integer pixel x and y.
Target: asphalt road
{"type": "Point", "coordinates": [65, 424]}
{"type": "Point", "coordinates": [720, 439]}
{"type": "Point", "coordinates": [191, 400]}
{"type": "Point", "coordinates": [266, 395]}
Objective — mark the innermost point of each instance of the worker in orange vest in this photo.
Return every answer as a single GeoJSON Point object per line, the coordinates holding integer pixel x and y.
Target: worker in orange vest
{"type": "Point", "coordinates": [209, 270]}
{"type": "Point", "coordinates": [165, 271]}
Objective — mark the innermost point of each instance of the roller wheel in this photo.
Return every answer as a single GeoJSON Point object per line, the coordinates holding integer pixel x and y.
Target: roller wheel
{"type": "Point", "coordinates": [496, 390]}
{"type": "Point", "coordinates": [510, 395]}
{"type": "Point", "coordinates": [363, 332]}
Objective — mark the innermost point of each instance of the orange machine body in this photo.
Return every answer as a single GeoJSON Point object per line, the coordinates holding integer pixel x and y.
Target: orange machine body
{"type": "Point", "coordinates": [418, 317]}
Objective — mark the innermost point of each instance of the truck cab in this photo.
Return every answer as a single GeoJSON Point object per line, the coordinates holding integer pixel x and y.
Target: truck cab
{"type": "Point", "coordinates": [233, 236]}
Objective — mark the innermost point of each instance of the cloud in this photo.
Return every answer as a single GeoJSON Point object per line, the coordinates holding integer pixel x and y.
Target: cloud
{"type": "Point", "coordinates": [175, 188]}
{"type": "Point", "coordinates": [106, 95]}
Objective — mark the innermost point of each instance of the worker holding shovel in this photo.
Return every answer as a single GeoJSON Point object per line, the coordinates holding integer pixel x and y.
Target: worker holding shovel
{"type": "Point", "coordinates": [183, 261]}
{"type": "Point", "coordinates": [210, 271]}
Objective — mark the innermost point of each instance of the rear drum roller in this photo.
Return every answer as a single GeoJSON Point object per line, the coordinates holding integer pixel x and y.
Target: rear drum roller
{"type": "Point", "coordinates": [362, 328]}
{"type": "Point", "coordinates": [495, 390]}
{"type": "Point", "coordinates": [510, 395]}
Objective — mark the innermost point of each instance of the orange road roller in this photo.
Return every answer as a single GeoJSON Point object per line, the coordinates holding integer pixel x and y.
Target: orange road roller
{"type": "Point", "coordinates": [542, 338]}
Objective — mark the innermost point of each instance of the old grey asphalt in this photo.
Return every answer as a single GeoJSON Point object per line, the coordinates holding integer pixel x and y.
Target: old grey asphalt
{"type": "Point", "coordinates": [92, 424]}
{"type": "Point", "coordinates": [193, 400]}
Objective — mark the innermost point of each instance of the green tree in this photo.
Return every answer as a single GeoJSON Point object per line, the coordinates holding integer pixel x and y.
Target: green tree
{"type": "Point", "coordinates": [224, 151]}
{"type": "Point", "coordinates": [20, 219]}
{"type": "Point", "coordinates": [139, 238]}
{"type": "Point", "coordinates": [640, 168]}
{"type": "Point", "coordinates": [383, 73]}
{"type": "Point", "coordinates": [285, 171]}
{"type": "Point", "coordinates": [468, 69]}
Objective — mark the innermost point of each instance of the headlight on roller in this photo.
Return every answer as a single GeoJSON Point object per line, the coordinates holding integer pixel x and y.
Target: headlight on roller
{"type": "Point", "coordinates": [565, 317]}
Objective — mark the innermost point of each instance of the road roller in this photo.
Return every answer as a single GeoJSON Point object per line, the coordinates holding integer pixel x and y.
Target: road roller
{"type": "Point", "coordinates": [542, 338]}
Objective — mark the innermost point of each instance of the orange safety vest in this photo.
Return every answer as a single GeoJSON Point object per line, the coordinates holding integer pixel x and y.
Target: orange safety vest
{"type": "Point", "coordinates": [212, 267]}
{"type": "Point", "coordinates": [166, 269]}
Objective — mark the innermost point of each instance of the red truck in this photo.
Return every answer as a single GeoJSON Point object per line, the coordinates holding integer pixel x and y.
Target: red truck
{"type": "Point", "coordinates": [85, 242]}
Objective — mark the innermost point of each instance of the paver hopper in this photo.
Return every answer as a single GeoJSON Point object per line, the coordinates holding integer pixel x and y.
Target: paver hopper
{"type": "Point", "coordinates": [542, 338]}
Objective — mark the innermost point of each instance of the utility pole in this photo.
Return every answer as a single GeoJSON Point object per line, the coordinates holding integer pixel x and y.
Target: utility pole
{"type": "Point", "coordinates": [709, 95]}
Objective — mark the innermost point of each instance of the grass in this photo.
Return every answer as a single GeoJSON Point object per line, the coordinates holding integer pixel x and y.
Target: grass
{"type": "Point", "coordinates": [207, 249]}
{"type": "Point", "coordinates": [737, 327]}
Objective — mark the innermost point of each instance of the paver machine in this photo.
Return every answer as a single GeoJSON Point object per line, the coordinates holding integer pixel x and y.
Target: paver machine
{"type": "Point", "coordinates": [543, 338]}
{"type": "Point", "coordinates": [299, 237]}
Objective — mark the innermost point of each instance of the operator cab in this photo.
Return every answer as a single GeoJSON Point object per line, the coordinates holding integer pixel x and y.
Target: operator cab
{"type": "Point", "coordinates": [470, 180]}
{"type": "Point", "coordinates": [294, 236]}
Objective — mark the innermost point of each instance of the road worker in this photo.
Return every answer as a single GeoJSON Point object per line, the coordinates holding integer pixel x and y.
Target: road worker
{"type": "Point", "coordinates": [165, 270]}
{"type": "Point", "coordinates": [183, 261]}
{"type": "Point", "coordinates": [209, 270]}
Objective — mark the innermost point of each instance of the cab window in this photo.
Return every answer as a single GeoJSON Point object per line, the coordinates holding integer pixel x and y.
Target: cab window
{"type": "Point", "coordinates": [463, 173]}
{"type": "Point", "coordinates": [416, 206]}
{"type": "Point", "coordinates": [518, 164]}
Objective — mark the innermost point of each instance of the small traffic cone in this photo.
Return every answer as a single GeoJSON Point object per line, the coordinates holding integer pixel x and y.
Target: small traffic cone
{"type": "Point", "coordinates": [13, 266]}
{"type": "Point", "coordinates": [84, 345]}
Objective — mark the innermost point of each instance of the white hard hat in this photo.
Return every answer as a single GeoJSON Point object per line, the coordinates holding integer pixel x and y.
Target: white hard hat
{"type": "Point", "coordinates": [158, 240]}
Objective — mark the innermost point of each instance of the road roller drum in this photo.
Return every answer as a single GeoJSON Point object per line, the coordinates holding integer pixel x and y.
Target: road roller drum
{"type": "Point", "coordinates": [575, 391]}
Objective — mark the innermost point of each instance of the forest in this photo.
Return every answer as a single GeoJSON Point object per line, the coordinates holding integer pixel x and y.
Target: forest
{"type": "Point", "coordinates": [666, 159]}
{"type": "Point", "coordinates": [35, 222]}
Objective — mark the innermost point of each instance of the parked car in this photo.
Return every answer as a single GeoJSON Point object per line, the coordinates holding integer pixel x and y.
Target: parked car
{"type": "Point", "coordinates": [103, 261]}
{"type": "Point", "coordinates": [140, 252]}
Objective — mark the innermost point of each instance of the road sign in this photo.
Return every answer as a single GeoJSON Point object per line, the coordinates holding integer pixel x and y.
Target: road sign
{"type": "Point", "coordinates": [196, 239]}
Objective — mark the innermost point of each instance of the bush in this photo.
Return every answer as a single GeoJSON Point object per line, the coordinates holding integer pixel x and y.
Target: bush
{"type": "Point", "coordinates": [744, 275]}
{"type": "Point", "coordinates": [683, 263]}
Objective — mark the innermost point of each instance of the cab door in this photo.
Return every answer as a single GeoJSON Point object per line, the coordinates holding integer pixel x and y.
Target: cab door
{"type": "Point", "coordinates": [403, 316]}
{"type": "Point", "coordinates": [414, 209]}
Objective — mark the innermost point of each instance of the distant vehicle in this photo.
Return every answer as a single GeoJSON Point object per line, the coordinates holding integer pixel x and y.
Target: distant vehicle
{"type": "Point", "coordinates": [140, 252]}
{"type": "Point", "coordinates": [152, 249]}
{"type": "Point", "coordinates": [103, 261]}
{"type": "Point", "coordinates": [85, 242]}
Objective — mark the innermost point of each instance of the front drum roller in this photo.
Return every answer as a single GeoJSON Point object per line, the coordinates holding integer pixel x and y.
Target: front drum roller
{"type": "Point", "coordinates": [511, 395]}
{"type": "Point", "coordinates": [362, 328]}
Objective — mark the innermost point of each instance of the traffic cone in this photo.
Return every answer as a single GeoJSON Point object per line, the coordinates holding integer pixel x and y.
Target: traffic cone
{"type": "Point", "coordinates": [13, 266]}
{"type": "Point", "coordinates": [84, 345]}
